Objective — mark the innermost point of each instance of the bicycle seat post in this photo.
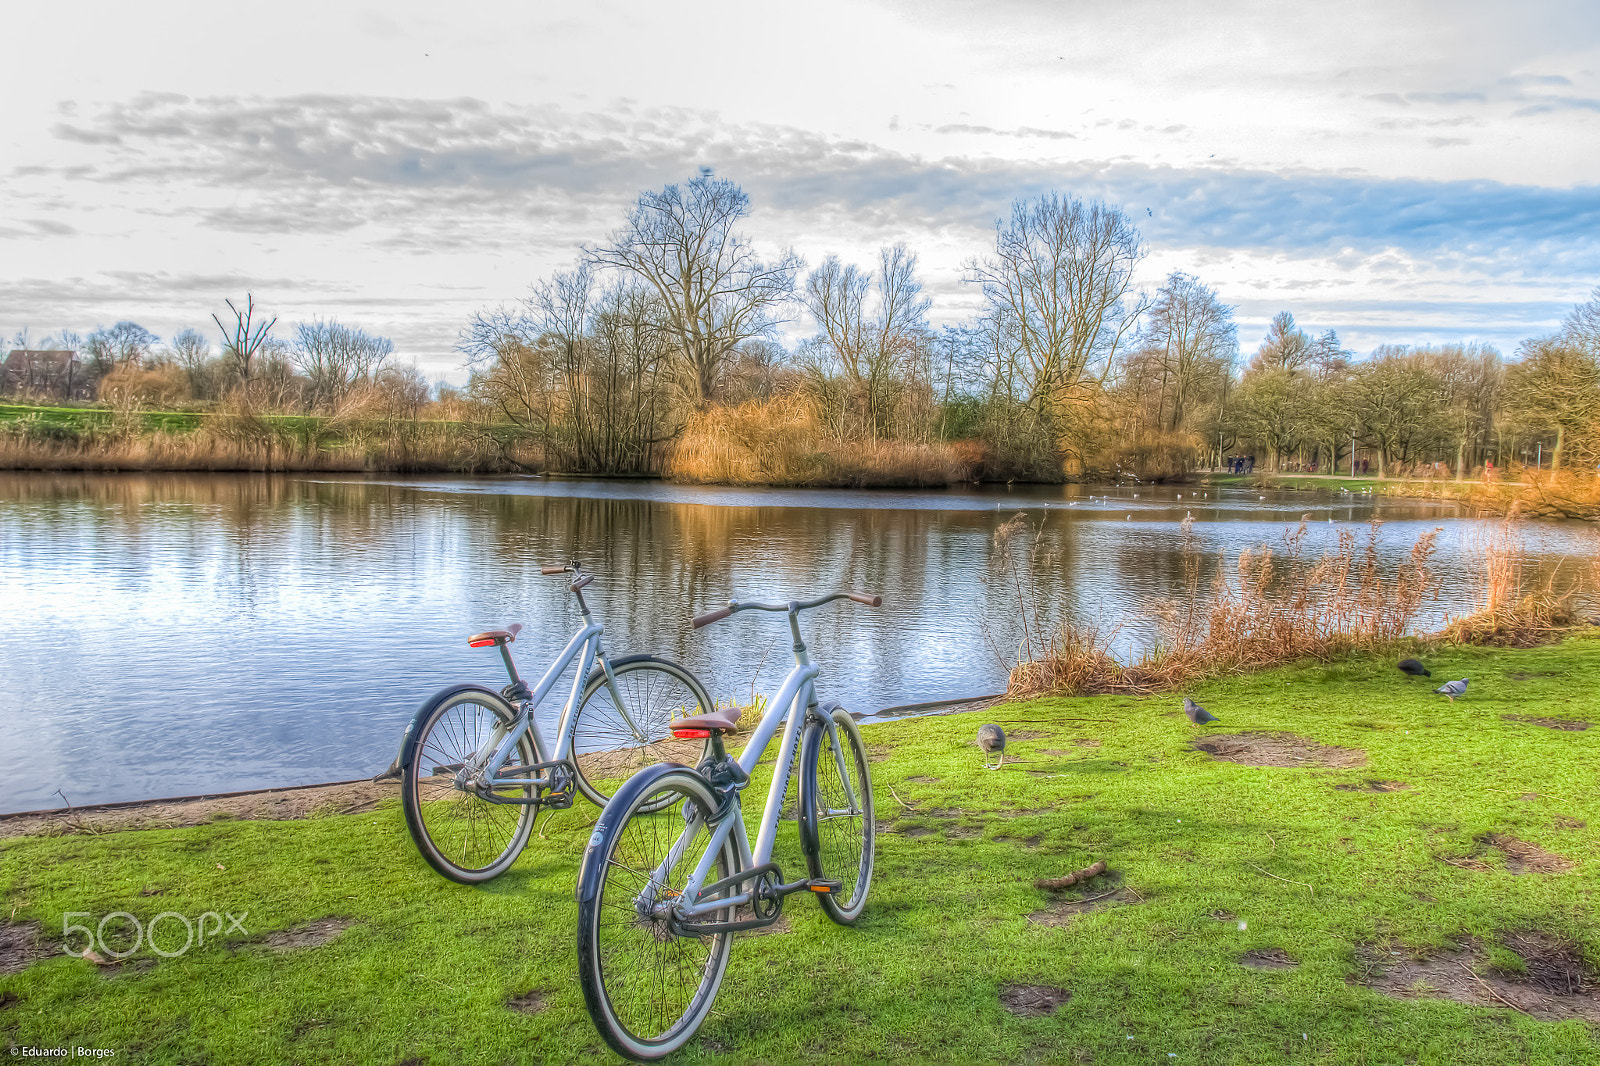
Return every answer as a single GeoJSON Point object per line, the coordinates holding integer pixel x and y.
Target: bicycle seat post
{"type": "Point", "coordinates": [516, 685]}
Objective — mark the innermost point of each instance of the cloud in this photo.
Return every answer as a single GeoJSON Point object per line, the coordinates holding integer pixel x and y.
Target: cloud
{"type": "Point", "coordinates": [35, 228]}
{"type": "Point", "coordinates": [454, 173]}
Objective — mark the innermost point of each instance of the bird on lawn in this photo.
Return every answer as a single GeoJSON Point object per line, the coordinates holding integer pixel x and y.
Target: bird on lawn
{"type": "Point", "coordinates": [1413, 668]}
{"type": "Point", "coordinates": [992, 739]}
{"type": "Point", "coordinates": [1197, 714]}
{"type": "Point", "coordinates": [1452, 689]}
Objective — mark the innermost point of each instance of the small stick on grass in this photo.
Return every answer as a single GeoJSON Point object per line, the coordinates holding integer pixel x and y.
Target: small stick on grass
{"type": "Point", "coordinates": [1490, 989]}
{"type": "Point", "coordinates": [1073, 878]}
{"type": "Point", "coordinates": [902, 802]}
{"type": "Point", "coordinates": [1285, 880]}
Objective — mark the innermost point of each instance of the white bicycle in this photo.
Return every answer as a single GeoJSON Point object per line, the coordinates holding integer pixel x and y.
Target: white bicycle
{"type": "Point", "coordinates": [475, 770]}
{"type": "Point", "coordinates": [669, 875]}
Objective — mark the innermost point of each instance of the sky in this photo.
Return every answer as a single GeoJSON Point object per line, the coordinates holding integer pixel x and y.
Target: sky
{"type": "Point", "coordinates": [1401, 171]}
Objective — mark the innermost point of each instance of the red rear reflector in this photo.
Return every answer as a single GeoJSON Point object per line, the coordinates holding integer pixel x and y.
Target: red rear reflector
{"type": "Point", "coordinates": [479, 643]}
{"type": "Point", "coordinates": [691, 734]}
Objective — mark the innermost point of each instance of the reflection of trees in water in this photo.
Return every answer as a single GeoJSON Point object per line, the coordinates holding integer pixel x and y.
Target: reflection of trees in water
{"type": "Point", "coordinates": [264, 547]}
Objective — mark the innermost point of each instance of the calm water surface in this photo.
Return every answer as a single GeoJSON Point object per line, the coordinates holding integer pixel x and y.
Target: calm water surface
{"type": "Point", "coordinates": [164, 635]}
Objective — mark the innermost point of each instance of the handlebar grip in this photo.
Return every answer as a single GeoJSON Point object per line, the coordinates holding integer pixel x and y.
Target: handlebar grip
{"type": "Point", "coordinates": [870, 601]}
{"type": "Point", "coordinates": [548, 570]}
{"type": "Point", "coordinates": [702, 620]}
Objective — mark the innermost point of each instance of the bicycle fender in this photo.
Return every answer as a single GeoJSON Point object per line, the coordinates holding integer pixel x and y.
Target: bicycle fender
{"type": "Point", "coordinates": [591, 871]}
{"type": "Point", "coordinates": [623, 660]}
{"type": "Point", "coordinates": [408, 742]}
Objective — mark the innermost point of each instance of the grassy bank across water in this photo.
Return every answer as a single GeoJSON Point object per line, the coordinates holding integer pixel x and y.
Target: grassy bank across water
{"type": "Point", "coordinates": [1406, 880]}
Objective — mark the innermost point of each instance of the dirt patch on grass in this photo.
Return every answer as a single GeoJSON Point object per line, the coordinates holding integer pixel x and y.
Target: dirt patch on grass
{"type": "Point", "coordinates": [1569, 725]}
{"type": "Point", "coordinates": [1277, 749]}
{"type": "Point", "coordinates": [1033, 1001]}
{"type": "Point", "coordinates": [924, 780]}
{"type": "Point", "coordinates": [1374, 785]}
{"type": "Point", "coordinates": [1532, 676]}
{"type": "Point", "coordinates": [1516, 856]}
{"type": "Point", "coordinates": [311, 935]}
{"type": "Point", "coordinates": [1106, 892]}
{"type": "Point", "coordinates": [1566, 821]}
{"type": "Point", "coordinates": [1027, 842]}
{"type": "Point", "coordinates": [1028, 734]}
{"type": "Point", "coordinates": [280, 804]}
{"type": "Point", "coordinates": [1267, 959]}
{"type": "Point", "coordinates": [21, 945]}
{"type": "Point", "coordinates": [1553, 984]}
{"type": "Point", "coordinates": [528, 1003]}
{"type": "Point", "coordinates": [1523, 857]}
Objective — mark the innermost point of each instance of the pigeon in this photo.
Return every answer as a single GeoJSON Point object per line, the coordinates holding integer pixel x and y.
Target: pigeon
{"type": "Point", "coordinates": [1452, 689]}
{"type": "Point", "coordinates": [1197, 714]}
{"type": "Point", "coordinates": [992, 739]}
{"type": "Point", "coordinates": [1414, 668]}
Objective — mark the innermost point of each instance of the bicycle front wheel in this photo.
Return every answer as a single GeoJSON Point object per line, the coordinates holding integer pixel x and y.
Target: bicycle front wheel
{"type": "Point", "coordinates": [612, 740]}
{"type": "Point", "coordinates": [647, 988]}
{"type": "Point", "coordinates": [462, 835]}
{"type": "Point", "coordinates": [836, 812]}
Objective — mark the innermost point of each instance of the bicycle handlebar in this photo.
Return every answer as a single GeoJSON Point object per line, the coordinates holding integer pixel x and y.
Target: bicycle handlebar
{"type": "Point", "coordinates": [793, 605]}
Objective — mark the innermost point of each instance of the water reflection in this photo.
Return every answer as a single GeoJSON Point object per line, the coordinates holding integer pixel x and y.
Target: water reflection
{"type": "Point", "coordinates": [169, 634]}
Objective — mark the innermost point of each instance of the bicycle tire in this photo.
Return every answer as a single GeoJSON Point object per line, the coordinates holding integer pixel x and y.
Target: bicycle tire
{"type": "Point", "coordinates": [837, 836]}
{"type": "Point", "coordinates": [647, 989]}
{"type": "Point", "coordinates": [607, 751]}
{"type": "Point", "coordinates": [464, 837]}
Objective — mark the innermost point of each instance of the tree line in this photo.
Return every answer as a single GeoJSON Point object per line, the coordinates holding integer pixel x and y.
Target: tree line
{"type": "Point", "coordinates": [322, 367]}
{"type": "Point", "coordinates": [1068, 367]}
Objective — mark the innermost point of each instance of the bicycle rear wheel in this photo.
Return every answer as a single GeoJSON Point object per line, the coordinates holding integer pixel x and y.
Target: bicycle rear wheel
{"type": "Point", "coordinates": [462, 835]}
{"type": "Point", "coordinates": [836, 812]}
{"type": "Point", "coordinates": [611, 743]}
{"type": "Point", "coordinates": [646, 988]}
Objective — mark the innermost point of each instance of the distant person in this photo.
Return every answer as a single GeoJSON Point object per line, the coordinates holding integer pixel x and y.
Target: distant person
{"type": "Point", "coordinates": [1250, 467]}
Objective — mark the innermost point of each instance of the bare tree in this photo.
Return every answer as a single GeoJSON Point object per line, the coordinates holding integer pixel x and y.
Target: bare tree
{"type": "Point", "coordinates": [715, 290]}
{"type": "Point", "coordinates": [1060, 295]}
{"type": "Point", "coordinates": [191, 351]}
{"type": "Point", "coordinates": [1582, 327]}
{"type": "Point", "coordinates": [1286, 347]}
{"type": "Point", "coordinates": [336, 358]}
{"type": "Point", "coordinates": [880, 352]}
{"type": "Point", "coordinates": [1555, 388]}
{"type": "Point", "coordinates": [240, 346]}
{"type": "Point", "coordinates": [1194, 342]}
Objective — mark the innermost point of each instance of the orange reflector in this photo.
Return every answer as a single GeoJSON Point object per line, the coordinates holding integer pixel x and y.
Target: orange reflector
{"type": "Point", "coordinates": [479, 643]}
{"type": "Point", "coordinates": [691, 734]}
{"type": "Point", "coordinates": [824, 889]}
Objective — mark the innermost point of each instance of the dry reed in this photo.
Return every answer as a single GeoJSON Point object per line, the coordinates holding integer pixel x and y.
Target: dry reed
{"type": "Point", "coordinates": [1277, 606]}
{"type": "Point", "coordinates": [1510, 614]}
{"type": "Point", "coordinates": [238, 439]}
{"type": "Point", "coordinates": [780, 441]}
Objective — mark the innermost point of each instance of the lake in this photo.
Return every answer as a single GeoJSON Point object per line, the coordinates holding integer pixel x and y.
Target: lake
{"type": "Point", "coordinates": [170, 634]}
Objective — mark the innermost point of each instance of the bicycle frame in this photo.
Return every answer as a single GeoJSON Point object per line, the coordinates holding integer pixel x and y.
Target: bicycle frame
{"type": "Point", "coordinates": [791, 705]}
{"type": "Point", "coordinates": [490, 759]}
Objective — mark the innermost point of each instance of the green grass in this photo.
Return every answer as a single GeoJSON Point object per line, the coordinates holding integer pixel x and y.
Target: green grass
{"type": "Point", "coordinates": [425, 972]}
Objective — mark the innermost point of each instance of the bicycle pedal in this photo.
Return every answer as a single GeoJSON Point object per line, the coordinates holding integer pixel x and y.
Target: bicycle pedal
{"type": "Point", "coordinates": [556, 801]}
{"type": "Point", "coordinates": [824, 886]}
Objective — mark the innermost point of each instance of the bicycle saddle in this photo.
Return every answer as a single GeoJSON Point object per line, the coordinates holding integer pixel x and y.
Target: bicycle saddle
{"type": "Point", "coordinates": [720, 721]}
{"type": "Point", "coordinates": [497, 637]}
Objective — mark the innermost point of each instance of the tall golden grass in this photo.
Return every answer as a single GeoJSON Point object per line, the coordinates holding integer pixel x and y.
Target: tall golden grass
{"type": "Point", "coordinates": [238, 439]}
{"type": "Point", "coordinates": [780, 441]}
{"type": "Point", "coordinates": [1534, 494]}
{"type": "Point", "coordinates": [1278, 606]}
